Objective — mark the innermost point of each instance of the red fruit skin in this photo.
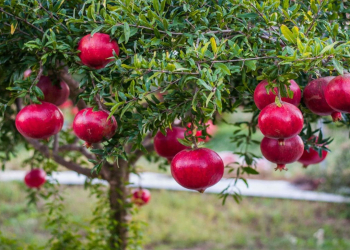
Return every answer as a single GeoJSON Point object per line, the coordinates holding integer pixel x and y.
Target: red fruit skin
{"type": "Point", "coordinates": [314, 98]}
{"type": "Point", "coordinates": [39, 121]}
{"type": "Point", "coordinates": [312, 157]}
{"type": "Point", "coordinates": [262, 98]}
{"type": "Point", "coordinates": [168, 146]}
{"type": "Point", "coordinates": [93, 127]}
{"type": "Point", "coordinates": [280, 122]}
{"type": "Point", "coordinates": [141, 197]}
{"type": "Point", "coordinates": [35, 178]}
{"type": "Point", "coordinates": [337, 94]}
{"type": "Point", "coordinates": [95, 50]}
{"type": "Point", "coordinates": [197, 169]}
{"type": "Point", "coordinates": [53, 93]}
{"type": "Point", "coordinates": [273, 151]}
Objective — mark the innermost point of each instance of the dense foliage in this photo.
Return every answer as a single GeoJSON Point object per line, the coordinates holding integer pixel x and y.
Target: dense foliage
{"type": "Point", "coordinates": [180, 60]}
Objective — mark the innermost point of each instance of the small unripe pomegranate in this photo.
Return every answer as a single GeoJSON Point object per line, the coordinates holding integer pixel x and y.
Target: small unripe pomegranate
{"type": "Point", "coordinates": [95, 50]}
{"type": "Point", "coordinates": [27, 73]}
{"type": "Point", "coordinates": [197, 169]}
{"type": "Point", "coordinates": [53, 93]}
{"type": "Point", "coordinates": [280, 122]}
{"type": "Point", "coordinates": [93, 126]}
{"type": "Point", "coordinates": [289, 152]}
{"type": "Point", "coordinates": [262, 98]}
{"type": "Point", "coordinates": [337, 94]}
{"type": "Point", "coordinates": [314, 98]}
{"type": "Point", "coordinates": [39, 121]}
{"type": "Point", "coordinates": [167, 145]}
{"type": "Point", "coordinates": [312, 157]}
{"type": "Point", "coordinates": [141, 196]}
{"type": "Point", "coordinates": [35, 178]}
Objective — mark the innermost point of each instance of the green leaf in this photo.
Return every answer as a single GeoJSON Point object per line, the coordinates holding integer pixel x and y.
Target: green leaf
{"type": "Point", "coordinates": [251, 65]}
{"type": "Point", "coordinates": [126, 32]}
{"type": "Point", "coordinates": [338, 66]}
{"type": "Point", "coordinates": [204, 84]}
{"type": "Point", "coordinates": [288, 34]}
{"type": "Point", "coordinates": [250, 170]}
{"type": "Point", "coordinates": [223, 67]}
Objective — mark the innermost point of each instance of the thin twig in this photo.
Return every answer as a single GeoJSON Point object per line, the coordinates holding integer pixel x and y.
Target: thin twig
{"type": "Point", "coordinates": [97, 96]}
{"type": "Point", "coordinates": [40, 73]}
{"type": "Point", "coordinates": [22, 20]}
{"type": "Point", "coordinates": [315, 18]}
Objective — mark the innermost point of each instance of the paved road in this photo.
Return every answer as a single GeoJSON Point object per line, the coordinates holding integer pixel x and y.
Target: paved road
{"type": "Point", "coordinates": [257, 188]}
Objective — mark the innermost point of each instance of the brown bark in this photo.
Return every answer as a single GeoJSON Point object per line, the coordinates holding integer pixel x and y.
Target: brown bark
{"type": "Point", "coordinates": [118, 193]}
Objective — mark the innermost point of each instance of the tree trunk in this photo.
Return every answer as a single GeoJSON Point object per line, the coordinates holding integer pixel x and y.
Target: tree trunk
{"type": "Point", "coordinates": [119, 206]}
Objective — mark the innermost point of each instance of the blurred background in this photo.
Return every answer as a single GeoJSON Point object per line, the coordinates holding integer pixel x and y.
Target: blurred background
{"type": "Point", "coordinates": [187, 220]}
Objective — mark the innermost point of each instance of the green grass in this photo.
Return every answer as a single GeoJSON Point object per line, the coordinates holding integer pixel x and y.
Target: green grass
{"type": "Point", "coordinates": [181, 220]}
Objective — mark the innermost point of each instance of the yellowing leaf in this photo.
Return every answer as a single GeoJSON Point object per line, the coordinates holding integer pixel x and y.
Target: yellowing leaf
{"type": "Point", "coordinates": [213, 45]}
{"type": "Point", "coordinates": [13, 28]}
{"type": "Point", "coordinates": [288, 34]}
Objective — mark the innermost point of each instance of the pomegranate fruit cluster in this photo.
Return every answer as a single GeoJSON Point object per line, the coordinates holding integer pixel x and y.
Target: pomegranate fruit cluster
{"type": "Point", "coordinates": [195, 169]}
{"type": "Point", "coordinates": [281, 124]}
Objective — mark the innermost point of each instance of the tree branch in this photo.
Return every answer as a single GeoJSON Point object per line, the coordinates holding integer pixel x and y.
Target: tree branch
{"type": "Point", "coordinates": [81, 149]}
{"type": "Point", "coordinates": [60, 160]}
{"type": "Point", "coordinates": [73, 86]}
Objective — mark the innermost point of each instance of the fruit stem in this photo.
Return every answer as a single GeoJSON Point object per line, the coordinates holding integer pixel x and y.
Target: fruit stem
{"type": "Point", "coordinates": [281, 142]}
{"type": "Point", "coordinates": [305, 166]}
{"type": "Point", "coordinates": [279, 94]}
{"type": "Point", "coordinates": [194, 132]}
{"type": "Point", "coordinates": [201, 191]}
{"type": "Point", "coordinates": [97, 96]}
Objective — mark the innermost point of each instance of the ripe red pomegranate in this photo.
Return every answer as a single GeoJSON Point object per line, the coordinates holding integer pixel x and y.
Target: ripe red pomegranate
{"type": "Point", "coordinates": [53, 93]}
{"type": "Point", "coordinates": [167, 145]}
{"type": "Point", "coordinates": [280, 122]}
{"type": "Point", "coordinates": [314, 98]}
{"type": "Point", "coordinates": [93, 126]}
{"type": "Point", "coordinates": [290, 152]}
{"type": "Point", "coordinates": [337, 93]}
{"type": "Point", "coordinates": [27, 73]}
{"type": "Point", "coordinates": [262, 98]}
{"type": "Point", "coordinates": [95, 51]}
{"type": "Point", "coordinates": [140, 196]}
{"type": "Point", "coordinates": [197, 169]}
{"type": "Point", "coordinates": [35, 178]}
{"type": "Point", "coordinates": [39, 121]}
{"type": "Point", "coordinates": [312, 157]}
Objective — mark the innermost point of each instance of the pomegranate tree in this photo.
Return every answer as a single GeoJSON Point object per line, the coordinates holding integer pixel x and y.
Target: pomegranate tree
{"type": "Point", "coordinates": [337, 94]}
{"type": "Point", "coordinates": [168, 61]}
{"type": "Point", "coordinates": [197, 169]}
{"type": "Point", "coordinates": [281, 122]}
{"type": "Point", "coordinates": [39, 121]}
{"type": "Point", "coordinates": [94, 126]}
{"type": "Point", "coordinates": [290, 152]}
{"type": "Point", "coordinates": [140, 196]}
{"type": "Point", "coordinates": [55, 94]}
{"type": "Point", "coordinates": [314, 98]}
{"type": "Point", "coordinates": [35, 178]}
{"type": "Point", "coordinates": [262, 98]}
{"type": "Point", "coordinates": [96, 50]}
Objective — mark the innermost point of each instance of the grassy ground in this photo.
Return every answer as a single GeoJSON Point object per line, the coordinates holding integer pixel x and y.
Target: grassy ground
{"type": "Point", "coordinates": [181, 220]}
